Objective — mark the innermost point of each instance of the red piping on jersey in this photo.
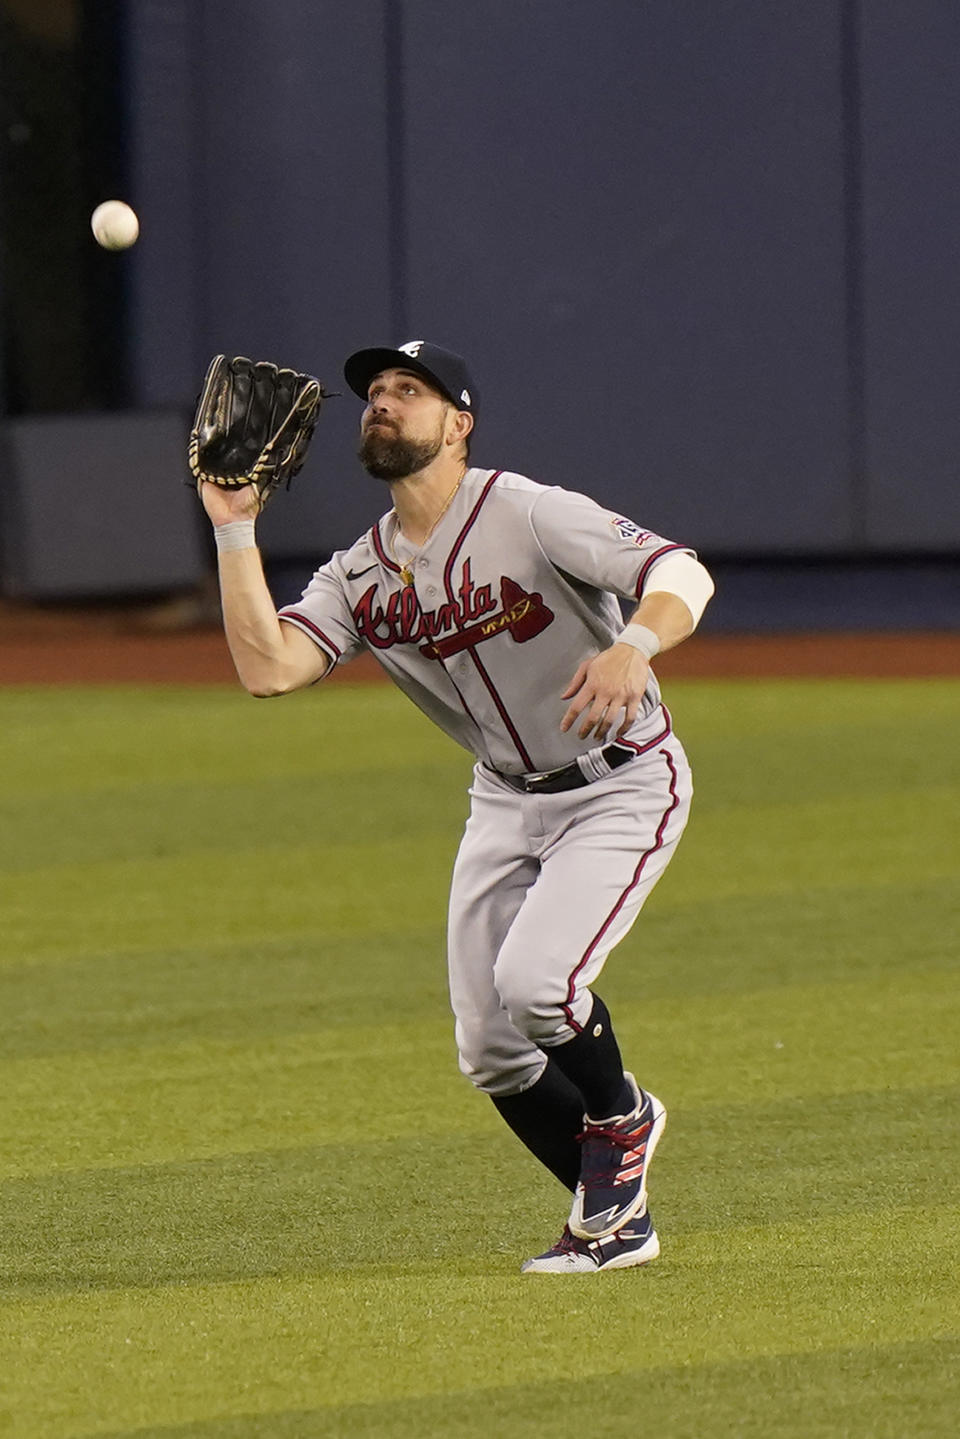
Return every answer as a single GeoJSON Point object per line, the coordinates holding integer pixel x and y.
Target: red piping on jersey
{"type": "Point", "coordinates": [298, 619]}
{"type": "Point", "coordinates": [448, 586]}
{"type": "Point", "coordinates": [390, 564]}
{"type": "Point", "coordinates": [521, 751]}
{"type": "Point", "coordinates": [381, 553]}
{"type": "Point", "coordinates": [638, 872]}
{"type": "Point", "coordinates": [448, 567]}
{"type": "Point", "coordinates": [657, 555]}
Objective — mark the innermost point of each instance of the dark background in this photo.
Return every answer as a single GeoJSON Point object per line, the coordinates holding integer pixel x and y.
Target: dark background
{"type": "Point", "coordinates": [701, 256]}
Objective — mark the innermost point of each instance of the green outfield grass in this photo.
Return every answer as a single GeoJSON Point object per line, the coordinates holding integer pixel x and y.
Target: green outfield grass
{"type": "Point", "coordinates": [245, 1191]}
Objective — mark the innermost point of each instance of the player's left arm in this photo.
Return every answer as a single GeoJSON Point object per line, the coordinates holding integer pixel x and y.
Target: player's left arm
{"type": "Point", "coordinates": [612, 684]}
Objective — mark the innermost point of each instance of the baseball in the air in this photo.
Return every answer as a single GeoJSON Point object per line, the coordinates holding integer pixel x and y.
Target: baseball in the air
{"type": "Point", "coordinates": [115, 226]}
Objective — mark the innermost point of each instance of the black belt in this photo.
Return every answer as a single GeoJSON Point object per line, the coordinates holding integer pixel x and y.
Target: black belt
{"type": "Point", "coordinates": [568, 776]}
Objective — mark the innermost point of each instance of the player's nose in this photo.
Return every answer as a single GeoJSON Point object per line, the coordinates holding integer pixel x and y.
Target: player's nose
{"type": "Point", "coordinates": [379, 409]}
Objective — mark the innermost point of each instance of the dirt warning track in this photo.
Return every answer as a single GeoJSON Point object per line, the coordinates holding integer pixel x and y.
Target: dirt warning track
{"type": "Point", "coordinates": [77, 646]}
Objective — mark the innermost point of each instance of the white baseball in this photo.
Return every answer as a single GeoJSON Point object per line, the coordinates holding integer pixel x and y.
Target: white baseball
{"type": "Point", "coordinates": [115, 226]}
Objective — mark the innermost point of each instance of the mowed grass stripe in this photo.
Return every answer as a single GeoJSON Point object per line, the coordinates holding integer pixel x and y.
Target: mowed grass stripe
{"type": "Point", "coordinates": [296, 1211]}
{"type": "Point", "coordinates": [847, 841]}
{"type": "Point", "coordinates": [345, 887]}
{"type": "Point", "coordinates": [193, 818]}
{"type": "Point", "coordinates": [225, 991]}
{"type": "Point", "coordinates": [754, 741]}
{"type": "Point", "coordinates": [800, 1039]}
{"type": "Point", "coordinates": [757, 941]}
{"type": "Point", "coordinates": [822, 1395]}
{"type": "Point", "coordinates": [190, 809]}
{"type": "Point", "coordinates": [73, 740]}
{"type": "Point", "coordinates": [302, 1344]}
{"type": "Point", "coordinates": [150, 1103]}
{"type": "Point", "coordinates": [277, 986]}
{"type": "Point", "coordinates": [334, 889]}
{"type": "Point", "coordinates": [864, 842]}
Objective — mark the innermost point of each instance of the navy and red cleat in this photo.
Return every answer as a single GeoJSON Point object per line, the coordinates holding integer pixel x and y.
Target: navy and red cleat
{"type": "Point", "coordinates": [636, 1243]}
{"type": "Point", "coordinates": [614, 1161]}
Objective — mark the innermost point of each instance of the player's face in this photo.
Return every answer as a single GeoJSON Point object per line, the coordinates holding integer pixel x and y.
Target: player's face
{"type": "Point", "coordinates": [404, 426]}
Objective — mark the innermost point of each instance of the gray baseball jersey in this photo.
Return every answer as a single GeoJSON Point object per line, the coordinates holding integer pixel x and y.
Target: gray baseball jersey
{"type": "Point", "coordinates": [512, 590]}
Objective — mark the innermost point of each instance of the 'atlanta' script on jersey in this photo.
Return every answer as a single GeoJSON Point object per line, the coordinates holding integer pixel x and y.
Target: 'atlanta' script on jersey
{"type": "Point", "coordinates": [472, 614]}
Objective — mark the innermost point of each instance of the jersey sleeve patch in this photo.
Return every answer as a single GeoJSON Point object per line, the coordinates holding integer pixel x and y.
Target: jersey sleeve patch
{"type": "Point", "coordinates": [627, 530]}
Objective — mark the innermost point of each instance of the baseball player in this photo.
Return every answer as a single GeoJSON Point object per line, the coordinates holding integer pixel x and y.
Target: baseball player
{"type": "Point", "coordinates": [493, 602]}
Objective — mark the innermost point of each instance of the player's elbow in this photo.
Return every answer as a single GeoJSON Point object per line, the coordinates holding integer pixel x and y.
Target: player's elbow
{"type": "Point", "coordinates": [284, 675]}
{"type": "Point", "coordinates": [266, 682]}
{"type": "Point", "coordinates": [269, 669]}
{"type": "Point", "coordinates": [261, 691]}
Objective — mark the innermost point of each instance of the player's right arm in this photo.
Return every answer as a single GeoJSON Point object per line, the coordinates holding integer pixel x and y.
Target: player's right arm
{"type": "Point", "coordinates": [270, 658]}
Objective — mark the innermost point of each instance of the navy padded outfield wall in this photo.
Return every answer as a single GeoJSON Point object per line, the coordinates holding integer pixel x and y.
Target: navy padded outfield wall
{"type": "Point", "coordinates": [911, 205]}
{"type": "Point", "coordinates": [700, 255]}
{"type": "Point", "coordinates": [648, 201]}
{"type": "Point", "coordinates": [275, 161]}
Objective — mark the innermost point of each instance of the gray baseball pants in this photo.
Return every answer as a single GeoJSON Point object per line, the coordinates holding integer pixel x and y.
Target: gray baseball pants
{"type": "Point", "coordinates": [543, 888]}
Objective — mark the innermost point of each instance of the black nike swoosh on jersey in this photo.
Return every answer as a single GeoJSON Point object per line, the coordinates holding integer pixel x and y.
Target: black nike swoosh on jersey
{"type": "Point", "coordinates": [358, 574]}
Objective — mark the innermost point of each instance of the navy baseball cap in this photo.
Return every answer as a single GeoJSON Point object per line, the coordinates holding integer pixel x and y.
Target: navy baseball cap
{"type": "Point", "coordinates": [447, 371]}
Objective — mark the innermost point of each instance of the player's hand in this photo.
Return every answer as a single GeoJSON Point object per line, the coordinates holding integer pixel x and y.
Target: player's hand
{"type": "Point", "coordinates": [222, 505]}
{"type": "Point", "coordinates": [610, 684]}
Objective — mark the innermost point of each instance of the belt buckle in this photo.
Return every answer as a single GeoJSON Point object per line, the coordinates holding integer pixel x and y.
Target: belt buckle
{"type": "Point", "coordinates": [530, 781]}
{"type": "Point", "coordinates": [538, 782]}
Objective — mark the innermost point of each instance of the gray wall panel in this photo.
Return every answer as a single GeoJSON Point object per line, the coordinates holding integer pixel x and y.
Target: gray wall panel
{"type": "Point", "coordinates": [94, 511]}
{"type": "Point", "coordinates": [631, 220]}
{"type": "Point", "coordinates": [911, 137]}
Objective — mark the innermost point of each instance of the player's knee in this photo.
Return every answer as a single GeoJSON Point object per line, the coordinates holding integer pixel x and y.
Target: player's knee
{"type": "Point", "coordinates": [535, 1009]}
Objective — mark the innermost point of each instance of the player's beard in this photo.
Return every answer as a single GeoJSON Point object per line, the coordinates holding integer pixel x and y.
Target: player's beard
{"type": "Point", "coordinates": [387, 455]}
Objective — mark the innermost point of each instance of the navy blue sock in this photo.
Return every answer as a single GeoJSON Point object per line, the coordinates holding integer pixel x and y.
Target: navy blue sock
{"type": "Point", "coordinates": [547, 1118]}
{"type": "Point", "coordinates": [591, 1061]}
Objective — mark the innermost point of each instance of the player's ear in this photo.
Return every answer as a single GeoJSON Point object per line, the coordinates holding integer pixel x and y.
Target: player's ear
{"type": "Point", "coordinates": [461, 425]}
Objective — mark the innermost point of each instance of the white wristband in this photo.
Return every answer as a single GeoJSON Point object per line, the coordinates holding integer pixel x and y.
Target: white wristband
{"type": "Point", "coordinates": [237, 535]}
{"type": "Point", "coordinates": [641, 638]}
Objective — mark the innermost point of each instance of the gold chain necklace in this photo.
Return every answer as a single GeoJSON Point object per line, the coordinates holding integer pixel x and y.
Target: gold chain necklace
{"type": "Point", "coordinates": [406, 573]}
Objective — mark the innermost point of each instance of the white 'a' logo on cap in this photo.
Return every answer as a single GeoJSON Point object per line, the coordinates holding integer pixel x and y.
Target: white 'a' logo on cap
{"type": "Point", "coordinates": [412, 348]}
{"type": "Point", "coordinates": [465, 397]}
